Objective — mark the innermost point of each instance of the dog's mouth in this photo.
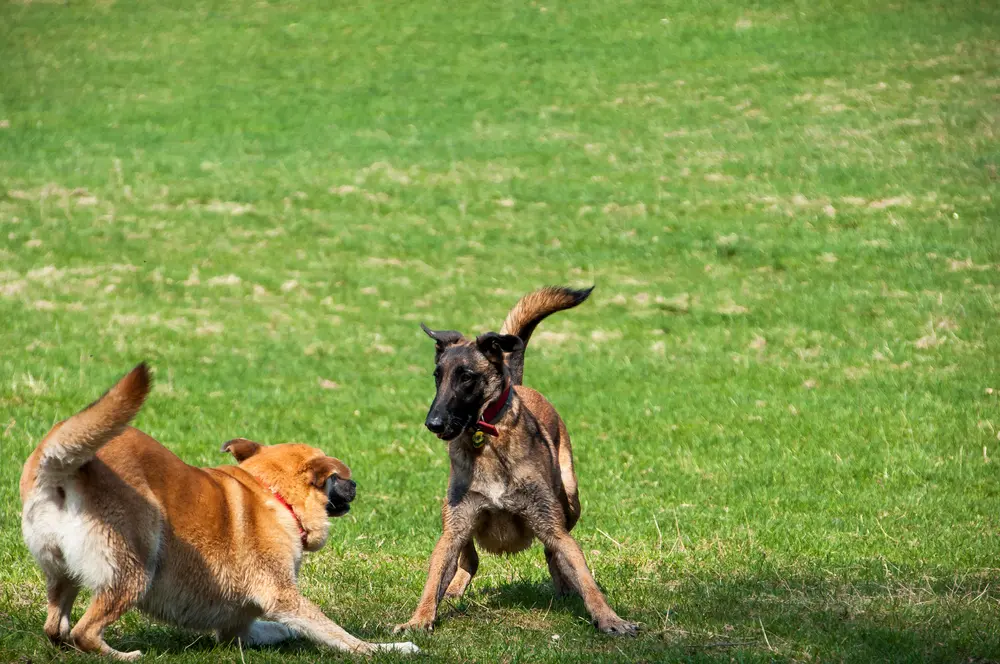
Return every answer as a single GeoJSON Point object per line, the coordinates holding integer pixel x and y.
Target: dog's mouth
{"type": "Point", "coordinates": [458, 426]}
{"type": "Point", "coordinates": [337, 509]}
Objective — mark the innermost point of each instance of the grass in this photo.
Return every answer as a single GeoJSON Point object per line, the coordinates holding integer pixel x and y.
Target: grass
{"type": "Point", "coordinates": [783, 394]}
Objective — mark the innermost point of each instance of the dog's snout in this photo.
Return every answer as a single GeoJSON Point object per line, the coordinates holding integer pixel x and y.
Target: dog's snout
{"type": "Point", "coordinates": [346, 489]}
{"type": "Point", "coordinates": [435, 423]}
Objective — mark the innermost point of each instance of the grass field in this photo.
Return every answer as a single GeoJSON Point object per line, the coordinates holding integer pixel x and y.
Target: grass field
{"type": "Point", "coordinates": [783, 395]}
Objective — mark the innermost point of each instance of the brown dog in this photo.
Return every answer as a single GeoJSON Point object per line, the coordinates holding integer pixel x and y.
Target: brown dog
{"type": "Point", "coordinates": [109, 508]}
{"type": "Point", "coordinates": [512, 474]}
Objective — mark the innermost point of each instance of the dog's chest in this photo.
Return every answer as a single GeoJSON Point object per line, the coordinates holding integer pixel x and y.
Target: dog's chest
{"type": "Point", "coordinates": [492, 489]}
{"type": "Point", "coordinates": [482, 474]}
{"type": "Point", "coordinates": [493, 474]}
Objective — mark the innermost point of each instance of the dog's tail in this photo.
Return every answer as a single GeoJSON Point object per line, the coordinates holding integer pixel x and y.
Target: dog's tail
{"type": "Point", "coordinates": [531, 310]}
{"type": "Point", "coordinates": [75, 441]}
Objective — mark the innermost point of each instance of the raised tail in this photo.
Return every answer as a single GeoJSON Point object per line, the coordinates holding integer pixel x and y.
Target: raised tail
{"type": "Point", "coordinates": [75, 441]}
{"type": "Point", "coordinates": [531, 310]}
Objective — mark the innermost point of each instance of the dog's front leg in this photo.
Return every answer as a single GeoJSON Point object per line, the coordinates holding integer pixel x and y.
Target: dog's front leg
{"type": "Point", "coordinates": [305, 618]}
{"type": "Point", "coordinates": [565, 556]}
{"type": "Point", "coordinates": [458, 518]}
{"type": "Point", "coordinates": [444, 562]}
{"type": "Point", "coordinates": [568, 554]}
{"type": "Point", "coordinates": [468, 564]}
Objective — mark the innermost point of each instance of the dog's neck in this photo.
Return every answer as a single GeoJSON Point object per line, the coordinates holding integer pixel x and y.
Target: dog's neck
{"type": "Point", "coordinates": [303, 533]}
{"type": "Point", "coordinates": [494, 411]}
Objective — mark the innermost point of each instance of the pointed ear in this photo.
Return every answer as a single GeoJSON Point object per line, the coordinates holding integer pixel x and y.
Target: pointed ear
{"type": "Point", "coordinates": [241, 448]}
{"type": "Point", "coordinates": [494, 345]}
{"type": "Point", "coordinates": [442, 338]}
{"type": "Point", "coordinates": [321, 468]}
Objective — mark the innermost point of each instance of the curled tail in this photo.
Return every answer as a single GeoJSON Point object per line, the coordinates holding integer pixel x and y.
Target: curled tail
{"type": "Point", "coordinates": [531, 310]}
{"type": "Point", "coordinates": [75, 441]}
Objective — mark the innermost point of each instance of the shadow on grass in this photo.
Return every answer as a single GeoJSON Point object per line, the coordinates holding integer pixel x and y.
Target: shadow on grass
{"type": "Point", "coordinates": [775, 617]}
{"type": "Point", "coordinates": [768, 615]}
{"type": "Point", "coordinates": [156, 640]}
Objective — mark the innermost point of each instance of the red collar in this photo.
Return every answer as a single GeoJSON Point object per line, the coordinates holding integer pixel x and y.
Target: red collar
{"type": "Point", "coordinates": [492, 412]}
{"type": "Point", "coordinates": [281, 499]}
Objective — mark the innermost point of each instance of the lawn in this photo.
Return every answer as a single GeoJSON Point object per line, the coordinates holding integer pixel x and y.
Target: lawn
{"type": "Point", "coordinates": [784, 394]}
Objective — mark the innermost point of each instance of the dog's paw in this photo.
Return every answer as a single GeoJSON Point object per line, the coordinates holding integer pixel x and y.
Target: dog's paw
{"type": "Point", "coordinates": [416, 624]}
{"type": "Point", "coordinates": [405, 648]}
{"type": "Point", "coordinates": [617, 627]}
{"type": "Point", "coordinates": [126, 656]}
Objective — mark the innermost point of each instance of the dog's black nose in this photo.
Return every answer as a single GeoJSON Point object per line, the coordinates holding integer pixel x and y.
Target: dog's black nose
{"type": "Point", "coordinates": [344, 489]}
{"type": "Point", "coordinates": [435, 424]}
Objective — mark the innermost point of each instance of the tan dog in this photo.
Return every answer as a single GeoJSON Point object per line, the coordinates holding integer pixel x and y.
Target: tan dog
{"type": "Point", "coordinates": [109, 508]}
{"type": "Point", "coordinates": [512, 476]}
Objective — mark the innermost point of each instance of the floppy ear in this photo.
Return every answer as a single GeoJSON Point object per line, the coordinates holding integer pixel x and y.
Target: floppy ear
{"type": "Point", "coordinates": [241, 448]}
{"type": "Point", "coordinates": [442, 338]}
{"type": "Point", "coordinates": [320, 469]}
{"type": "Point", "coordinates": [494, 345]}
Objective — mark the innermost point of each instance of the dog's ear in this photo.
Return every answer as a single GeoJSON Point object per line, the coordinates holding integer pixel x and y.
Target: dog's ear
{"type": "Point", "coordinates": [321, 468]}
{"type": "Point", "coordinates": [494, 345]}
{"type": "Point", "coordinates": [442, 338]}
{"type": "Point", "coordinates": [241, 448]}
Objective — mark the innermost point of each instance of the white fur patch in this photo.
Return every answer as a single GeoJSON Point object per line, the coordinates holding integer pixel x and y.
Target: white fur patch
{"type": "Point", "coordinates": [65, 540]}
{"type": "Point", "coordinates": [406, 648]}
{"type": "Point", "coordinates": [266, 633]}
{"type": "Point", "coordinates": [492, 491]}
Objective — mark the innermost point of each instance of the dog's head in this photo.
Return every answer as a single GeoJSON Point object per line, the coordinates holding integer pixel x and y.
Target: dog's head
{"type": "Point", "coordinates": [317, 486]}
{"type": "Point", "coordinates": [469, 374]}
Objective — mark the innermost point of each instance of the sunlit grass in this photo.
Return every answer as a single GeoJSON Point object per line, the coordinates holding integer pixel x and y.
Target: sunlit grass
{"type": "Point", "coordinates": [783, 394]}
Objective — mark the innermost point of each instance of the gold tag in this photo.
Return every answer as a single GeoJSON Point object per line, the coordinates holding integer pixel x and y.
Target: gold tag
{"type": "Point", "coordinates": [478, 439]}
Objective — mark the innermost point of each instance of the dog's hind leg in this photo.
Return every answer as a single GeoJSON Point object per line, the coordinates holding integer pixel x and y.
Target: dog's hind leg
{"type": "Point", "coordinates": [62, 592]}
{"type": "Point", "coordinates": [468, 564]}
{"type": "Point", "coordinates": [106, 607]}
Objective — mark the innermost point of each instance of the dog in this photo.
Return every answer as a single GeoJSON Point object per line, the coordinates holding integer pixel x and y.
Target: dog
{"type": "Point", "coordinates": [108, 508]}
{"type": "Point", "coordinates": [512, 476]}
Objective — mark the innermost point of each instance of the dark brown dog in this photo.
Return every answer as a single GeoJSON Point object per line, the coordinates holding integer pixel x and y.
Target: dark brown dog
{"type": "Point", "coordinates": [512, 474]}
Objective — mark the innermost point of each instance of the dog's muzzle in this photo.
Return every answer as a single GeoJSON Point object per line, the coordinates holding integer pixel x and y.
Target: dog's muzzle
{"type": "Point", "coordinates": [446, 427]}
{"type": "Point", "coordinates": [340, 497]}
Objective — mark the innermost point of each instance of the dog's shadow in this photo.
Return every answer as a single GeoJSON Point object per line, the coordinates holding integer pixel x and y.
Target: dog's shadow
{"type": "Point", "coordinates": [524, 595]}
{"type": "Point", "coordinates": [159, 638]}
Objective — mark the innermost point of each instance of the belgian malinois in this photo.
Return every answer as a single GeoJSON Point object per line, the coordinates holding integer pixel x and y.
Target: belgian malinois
{"type": "Point", "coordinates": [512, 476]}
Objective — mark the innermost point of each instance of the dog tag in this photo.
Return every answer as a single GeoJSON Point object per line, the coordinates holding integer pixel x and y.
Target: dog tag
{"type": "Point", "coordinates": [478, 439]}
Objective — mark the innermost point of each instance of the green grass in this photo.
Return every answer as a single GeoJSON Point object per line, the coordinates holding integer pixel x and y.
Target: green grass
{"type": "Point", "coordinates": [779, 394]}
